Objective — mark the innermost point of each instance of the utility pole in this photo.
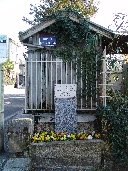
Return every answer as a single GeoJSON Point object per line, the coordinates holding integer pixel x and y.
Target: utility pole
{"type": "Point", "coordinates": [4, 45]}
{"type": "Point", "coordinates": [1, 110]}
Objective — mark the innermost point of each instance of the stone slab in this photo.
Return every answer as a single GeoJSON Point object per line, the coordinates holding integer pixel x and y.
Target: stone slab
{"type": "Point", "coordinates": [18, 164]}
{"type": "Point", "coordinates": [65, 115]}
{"type": "Point", "coordinates": [87, 168]}
{"type": "Point", "coordinates": [50, 117]}
{"type": "Point", "coordinates": [65, 90]}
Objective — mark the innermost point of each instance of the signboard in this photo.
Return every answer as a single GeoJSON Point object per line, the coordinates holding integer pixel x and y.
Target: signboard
{"type": "Point", "coordinates": [65, 90]}
{"type": "Point", "coordinates": [3, 48]}
{"type": "Point", "coordinates": [47, 41]}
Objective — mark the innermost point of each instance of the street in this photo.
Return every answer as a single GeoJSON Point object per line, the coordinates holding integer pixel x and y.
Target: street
{"type": "Point", "coordinates": [14, 102]}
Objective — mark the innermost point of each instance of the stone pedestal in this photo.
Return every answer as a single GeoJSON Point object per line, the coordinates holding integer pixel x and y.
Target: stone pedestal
{"type": "Point", "coordinates": [65, 108]}
{"type": "Point", "coordinates": [19, 133]}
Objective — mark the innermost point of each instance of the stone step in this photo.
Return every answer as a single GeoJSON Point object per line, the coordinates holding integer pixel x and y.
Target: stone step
{"type": "Point", "coordinates": [3, 160]}
{"type": "Point", "coordinates": [86, 168]}
{"type": "Point", "coordinates": [18, 164]}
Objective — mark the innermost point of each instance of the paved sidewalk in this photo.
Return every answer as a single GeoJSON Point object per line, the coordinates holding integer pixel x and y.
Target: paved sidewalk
{"type": "Point", "coordinates": [3, 160]}
{"type": "Point", "coordinates": [12, 90]}
{"type": "Point", "coordinates": [6, 163]}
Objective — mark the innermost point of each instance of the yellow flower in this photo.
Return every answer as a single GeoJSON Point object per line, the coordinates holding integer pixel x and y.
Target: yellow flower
{"type": "Point", "coordinates": [39, 139]}
{"type": "Point", "coordinates": [51, 136]}
{"type": "Point", "coordinates": [62, 139]}
{"type": "Point", "coordinates": [34, 138]}
{"type": "Point", "coordinates": [52, 133]}
{"type": "Point", "coordinates": [65, 138]}
{"type": "Point", "coordinates": [55, 139]}
{"type": "Point", "coordinates": [47, 138]}
{"type": "Point", "coordinates": [42, 138]}
{"type": "Point", "coordinates": [42, 134]}
{"type": "Point", "coordinates": [73, 136]}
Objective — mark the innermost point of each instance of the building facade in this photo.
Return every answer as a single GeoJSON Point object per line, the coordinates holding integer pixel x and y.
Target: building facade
{"type": "Point", "coordinates": [14, 52]}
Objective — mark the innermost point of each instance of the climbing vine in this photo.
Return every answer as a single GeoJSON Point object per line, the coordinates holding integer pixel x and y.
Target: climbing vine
{"type": "Point", "coordinates": [112, 123]}
{"type": "Point", "coordinates": [78, 44]}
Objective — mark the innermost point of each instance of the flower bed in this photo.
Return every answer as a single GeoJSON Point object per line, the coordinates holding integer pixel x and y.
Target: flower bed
{"type": "Point", "coordinates": [51, 136]}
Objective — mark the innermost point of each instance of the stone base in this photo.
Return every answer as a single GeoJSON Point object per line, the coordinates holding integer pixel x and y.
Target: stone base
{"type": "Point", "coordinates": [82, 153]}
{"type": "Point", "coordinates": [50, 126]}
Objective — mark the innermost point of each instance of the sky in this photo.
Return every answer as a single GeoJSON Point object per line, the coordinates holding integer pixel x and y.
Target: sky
{"type": "Point", "coordinates": [12, 12]}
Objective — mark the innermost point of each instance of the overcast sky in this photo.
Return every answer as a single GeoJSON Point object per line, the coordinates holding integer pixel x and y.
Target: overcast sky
{"type": "Point", "coordinates": [12, 12]}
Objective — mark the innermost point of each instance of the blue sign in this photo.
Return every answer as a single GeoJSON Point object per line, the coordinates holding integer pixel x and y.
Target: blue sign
{"type": "Point", "coordinates": [3, 38]}
{"type": "Point", "coordinates": [47, 41]}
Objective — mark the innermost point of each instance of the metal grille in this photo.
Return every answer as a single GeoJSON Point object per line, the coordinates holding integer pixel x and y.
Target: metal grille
{"type": "Point", "coordinates": [43, 71]}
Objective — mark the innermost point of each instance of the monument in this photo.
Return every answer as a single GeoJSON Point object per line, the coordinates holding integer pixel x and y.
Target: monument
{"type": "Point", "coordinates": [65, 108]}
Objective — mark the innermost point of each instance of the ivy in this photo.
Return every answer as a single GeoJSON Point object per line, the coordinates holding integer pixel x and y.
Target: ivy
{"type": "Point", "coordinates": [76, 43]}
{"type": "Point", "coordinates": [113, 124]}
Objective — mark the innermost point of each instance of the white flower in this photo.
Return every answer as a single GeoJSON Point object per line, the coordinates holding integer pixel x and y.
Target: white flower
{"type": "Point", "coordinates": [89, 137]}
{"type": "Point", "coordinates": [64, 136]}
{"type": "Point", "coordinates": [36, 134]}
{"type": "Point", "coordinates": [68, 136]}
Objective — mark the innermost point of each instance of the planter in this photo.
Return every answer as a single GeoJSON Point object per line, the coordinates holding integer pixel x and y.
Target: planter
{"type": "Point", "coordinates": [69, 154]}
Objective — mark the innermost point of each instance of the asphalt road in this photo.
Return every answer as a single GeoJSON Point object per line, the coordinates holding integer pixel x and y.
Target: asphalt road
{"type": "Point", "coordinates": [14, 102]}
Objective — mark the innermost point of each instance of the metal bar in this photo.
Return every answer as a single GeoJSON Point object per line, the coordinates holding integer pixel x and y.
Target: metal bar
{"type": "Point", "coordinates": [46, 79]}
{"type": "Point", "coordinates": [26, 87]}
{"type": "Point", "coordinates": [76, 79]}
{"type": "Point", "coordinates": [86, 88]}
{"type": "Point", "coordinates": [91, 91]}
{"type": "Point", "coordinates": [41, 81]}
{"type": "Point", "coordinates": [87, 109]}
{"type": "Point", "coordinates": [61, 71]}
{"type": "Point", "coordinates": [51, 82]}
{"type": "Point", "coordinates": [56, 70]}
{"type": "Point", "coordinates": [76, 109]}
{"type": "Point", "coordinates": [81, 86]}
{"type": "Point", "coordinates": [76, 70]}
{"type": "Point", "coordinates": [36, 80]}
{"type": "Point", "coordinates": [96, 82]}
{"type": "Point", "coordinates": [104, 78]}
{"type": "Point", "coordinates": [66, 72]}
{"type": "Point", "coordinates": [45, 61]}
{"type": "Point", "coordinates": [31, 83]}
{"type": "Point", "coordinates": [71, 72]}
{"type": "Point", "coordinates": [91, 97]}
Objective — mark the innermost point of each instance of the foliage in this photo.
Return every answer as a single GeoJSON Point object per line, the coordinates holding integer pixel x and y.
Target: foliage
{"type": "Point", "coordinates": [125, 79]}
{"type": "Point", "coordinates": [65, 136]}
{"type": "Point", "coordinates": [87, 8]}
{"type": "Point", "coordinates": [8, 67]}
{"type": "Point", "coordinates": [76, 43]}
{"type": "Point", "coordinates": [113, 123]}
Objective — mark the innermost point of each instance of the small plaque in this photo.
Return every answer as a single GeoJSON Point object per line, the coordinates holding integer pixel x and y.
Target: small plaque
{"type": "Point", "coordinates": [47, 41]}
{"type": "Point", "coordinates": [65, 90]}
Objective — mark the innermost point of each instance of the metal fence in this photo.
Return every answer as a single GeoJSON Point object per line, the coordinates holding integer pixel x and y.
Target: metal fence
{"type": "Point", "coordinates": [43, 71]}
